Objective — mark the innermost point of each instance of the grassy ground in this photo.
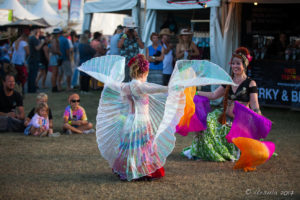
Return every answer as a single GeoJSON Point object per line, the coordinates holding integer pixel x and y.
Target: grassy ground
{"type": "Point", "coordinates": [70, 166]}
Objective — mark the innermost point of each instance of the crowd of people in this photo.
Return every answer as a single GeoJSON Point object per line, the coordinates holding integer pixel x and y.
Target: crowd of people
{"type": "Point", "coordinates": [33, 54]}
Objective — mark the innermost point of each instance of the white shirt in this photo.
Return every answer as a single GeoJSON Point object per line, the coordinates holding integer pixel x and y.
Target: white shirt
{"type": "Point", "coordinates": [19, 54]}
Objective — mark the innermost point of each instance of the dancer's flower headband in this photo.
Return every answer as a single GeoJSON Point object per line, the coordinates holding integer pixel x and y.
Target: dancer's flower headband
{"type": "Point", "coordinates": [141, 62]}
{"type": "Point", "coordinates": [245, 58]}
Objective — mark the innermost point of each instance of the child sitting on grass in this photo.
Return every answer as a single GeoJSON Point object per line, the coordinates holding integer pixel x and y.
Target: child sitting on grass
{"type": "Point", "coordinates": [39, 124]}
{"type": "Point", "coordinates": [41, 98]}
{"type": "Point", "coordinates": [75, 119]}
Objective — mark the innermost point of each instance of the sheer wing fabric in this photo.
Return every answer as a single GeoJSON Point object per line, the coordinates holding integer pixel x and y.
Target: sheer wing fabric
{"type": "Point", "coordinates": [136, 121]}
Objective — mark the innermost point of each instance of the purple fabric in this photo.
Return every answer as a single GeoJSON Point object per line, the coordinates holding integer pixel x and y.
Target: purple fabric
{"type": "Point", "coordinates": [198, 120]}
{"type": "Point", "coordinates": [202, 109]}
{"type": "Point", "coordinates": [248, 124]}
{"type": "Point", "coordinates": [195, 125]}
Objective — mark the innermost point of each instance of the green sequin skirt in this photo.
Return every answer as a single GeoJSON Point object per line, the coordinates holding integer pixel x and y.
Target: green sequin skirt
{"type": "Point", "coordinates": [211, 144]}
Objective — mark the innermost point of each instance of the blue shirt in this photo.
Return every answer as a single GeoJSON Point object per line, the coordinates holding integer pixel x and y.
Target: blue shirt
{"type": "Point", "coordinates": [155, 52]}
{"type": "Point", "coordinates": [34, 55]}
{"type": "Point", "coordinates": [86, 52]}
{"type": "Point", "coordinates": [63, 47]}
{"type": "Point", "coordinates": [114, 50]}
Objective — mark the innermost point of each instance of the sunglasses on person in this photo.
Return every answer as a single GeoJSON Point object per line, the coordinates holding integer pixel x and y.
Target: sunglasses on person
{"type": "Point", "coordinates": [75, 100]}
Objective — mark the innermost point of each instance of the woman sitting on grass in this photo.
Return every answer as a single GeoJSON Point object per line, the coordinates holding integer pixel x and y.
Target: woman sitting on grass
{"type": "Point", "coordinates": [75, 119]}
{"type": "Point", "coordinates": [39, 124]}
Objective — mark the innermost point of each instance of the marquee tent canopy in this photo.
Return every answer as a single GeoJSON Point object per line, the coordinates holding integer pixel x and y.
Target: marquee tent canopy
{"type": "Point", "coordinates": [154, 5]}
{"type": "Point", "coordinates": [164, 5]}
{"type": "Point", "coordinates": [102, 6]}
{"type": "Point", "coordinates": [43, 10]}
{"type": "Point", "coordinates": [18, 10]}
{"type": "Point", "coordinates": [109, 6]}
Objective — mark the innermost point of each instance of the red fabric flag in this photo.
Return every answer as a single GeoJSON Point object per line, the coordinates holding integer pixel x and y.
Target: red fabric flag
{"type": "Point", "coordinates": [59, 4]}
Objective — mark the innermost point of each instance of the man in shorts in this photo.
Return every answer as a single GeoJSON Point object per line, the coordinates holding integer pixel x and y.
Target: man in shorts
{"type": "Point", "coordinates": [65, 68]}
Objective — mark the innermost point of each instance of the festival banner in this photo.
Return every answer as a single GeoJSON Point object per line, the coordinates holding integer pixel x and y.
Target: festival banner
{"type": "Point", "coordinates": [278, 82]}
{"type": "Point", "coordinates": [75, 8]}
{"type": "Point", "coordinates": [5, 16]}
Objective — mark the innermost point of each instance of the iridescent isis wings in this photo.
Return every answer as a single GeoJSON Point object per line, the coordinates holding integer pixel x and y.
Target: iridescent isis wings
{"type": "Point", "coordinates": [112, 109]}
{"type": "Point", "coordinates": [105, 68]}
{"type": "Point", "coordinates": [165, 109]}
{"type": "Point", "coordinates": [165, 105]}
{"type": "Point", "coordinates": [188, 73]}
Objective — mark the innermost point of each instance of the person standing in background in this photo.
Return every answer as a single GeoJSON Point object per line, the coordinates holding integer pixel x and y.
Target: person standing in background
{"type": "Point", "coordinates": [88, 34]}
{"type": "Point", "coordinates": [33, 60]}
{"type": "Point", "coordinates": [114, 50]}
{"type": "Point", "coordinates": [129, 44]}
{"type": "Point", "coordinates": [86, 52]}
{"type": "Point", "coordinates": [43, 64]}
{"type": "Point", "coordinates": [155, 56]}
{"type": "Point", "coordinates": [20, 52]}
{"type": "Point", "coordinates": [168, 58]}
{"type": "Point", "coordinates": [55, 55]}
{"type": "Point", "coordinates": [186, 48]}
{"type": "Point", "coordinates": [65, 67]}
{"type": "Point", "coordinates": [100, 48]}
{"type": "Point", "coordinates": [76, 61]}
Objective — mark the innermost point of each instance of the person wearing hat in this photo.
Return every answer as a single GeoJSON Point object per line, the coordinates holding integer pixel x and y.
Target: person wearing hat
{"type": "Point", "coordinates": [54, 57]}
{"type": "Point", "coordinates": [129, 44]}
{"type": "Point", "coordinates": [186, 48]}
{"type": "Point", "coordinates": [168, 51]}
{"type": "Point", "coordinates": [114, 50]}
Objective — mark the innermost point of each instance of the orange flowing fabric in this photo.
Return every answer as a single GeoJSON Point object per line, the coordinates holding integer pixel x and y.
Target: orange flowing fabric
{"type": "Point", "coordinates": [189, 109]}
{"type": "Point", "coordinates": [253, 153]}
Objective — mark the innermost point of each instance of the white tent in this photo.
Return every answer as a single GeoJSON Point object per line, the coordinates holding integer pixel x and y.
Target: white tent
{"type": "Point", "coordinates": [106, 22]}
{"type": "Point", "coordinates": [109, 6]}
{"type": "Point", "coordinates": [18, 10]}
{"type": "Point", "coordinates": [222, 38]}
{"type": "Point", "coordinates": [151, 19]}
{"type": "Point", "coordinates": [43, 10]}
